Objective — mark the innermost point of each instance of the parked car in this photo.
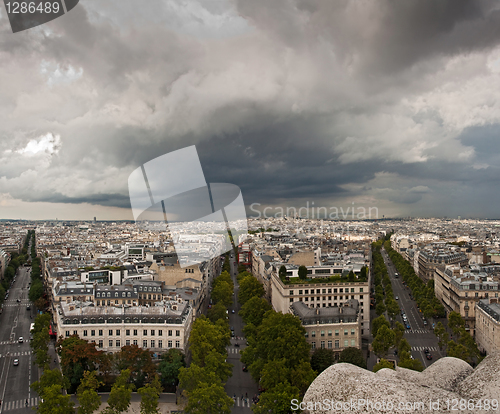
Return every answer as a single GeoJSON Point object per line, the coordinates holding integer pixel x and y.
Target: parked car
{"type": "Point", "coordinates": [237, 345]}
{"type": "Point", "coordinates": [245, 369]}
{"type": "Point", "coordinates": [28, 307]}
{"type": "Point", "coordinates": [232, 311]}
{"type": "Point", "coordinates": [397, 297]}
{"type": "Point", "coordinates": [16, 362]}
{"type": "Point", "coordinates": [408, 326]}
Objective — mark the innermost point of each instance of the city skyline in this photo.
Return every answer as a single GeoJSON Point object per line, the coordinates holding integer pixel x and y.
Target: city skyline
{"type": "Point", "coordinates": [390, 106]}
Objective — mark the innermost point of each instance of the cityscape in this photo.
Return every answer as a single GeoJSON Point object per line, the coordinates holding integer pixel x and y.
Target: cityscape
{"type": "Point", "coordinates": [247, 206]}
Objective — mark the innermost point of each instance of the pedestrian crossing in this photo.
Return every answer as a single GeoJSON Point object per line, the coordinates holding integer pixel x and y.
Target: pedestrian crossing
{"type": "Point", "coordinates": [16, 354]}
{"type": "Point", "coordinates": [12, 342]}
{"type": "Point", "coordinates": [15, 405]}
{"type": "Point", "coordinates": [421, 348]}
{"type": "Point", "coordinates": [242, 402]}
{"type": "Point", "coordinates": [233, 350]}
{"type": "Point", "coordinates": [420, 331]}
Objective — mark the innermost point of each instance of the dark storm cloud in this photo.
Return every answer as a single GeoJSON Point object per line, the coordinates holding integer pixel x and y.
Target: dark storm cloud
{"type": "Point", "coordinates": [383, 102]}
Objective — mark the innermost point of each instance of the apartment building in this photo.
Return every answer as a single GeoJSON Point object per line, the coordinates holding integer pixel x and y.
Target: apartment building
{"type": "Point", "coordinates": [459, 290]}
{"type": "Point", "coordinates": [431, 259]}
{"type": "Point", "coordinates": [322, 295]}
{"type": "Point", "coordinates": [488, 325]}
{"type": "Point", "coordinates": [334, 328]}
{"type": "Point", "coordinates": [157, 328]}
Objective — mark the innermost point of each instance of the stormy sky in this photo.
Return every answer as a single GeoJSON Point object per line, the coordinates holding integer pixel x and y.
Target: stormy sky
{"type": "Point", "coordinates": [388, 104]}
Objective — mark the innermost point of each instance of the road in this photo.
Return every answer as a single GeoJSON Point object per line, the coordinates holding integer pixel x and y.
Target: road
{"type": "Point", "coordinates": [15, 322]}
{"type": "Point", "coordinates": [419, 336]}
{"type": "Point", "coordinates": [241, 383]}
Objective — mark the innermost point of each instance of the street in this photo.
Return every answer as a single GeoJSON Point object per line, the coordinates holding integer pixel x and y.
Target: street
{"type": "Point", "coordinates": [419, 336]}
{"type": "Point", "coordinates": [15, 320]}
{"type": "Point", "coordinates": [240, 386]}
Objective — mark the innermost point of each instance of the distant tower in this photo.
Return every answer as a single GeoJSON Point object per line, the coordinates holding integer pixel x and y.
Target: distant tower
{"type": "Point", "coordinates": [459, 217]}
{"type": "Point", "coordinates": [95, 219]}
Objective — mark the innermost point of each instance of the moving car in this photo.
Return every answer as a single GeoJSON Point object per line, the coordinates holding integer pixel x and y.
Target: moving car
{"type": "Point", "coordinates": [232, 311]}
{"type": "Point", "coordinates": [245, 369]}
{"type": "Point", "coordinates": [28, 307]}
{"type": "Point", "coordinates": [408, 326]}
{"type": "Point", "coordinates": [237, 345]}
{"type": "Point", "coordinates": [21, 340]}
{"type": "Point", "coordinates": [397, 297]}
{"type": "Point", "coordinates": [428, 356]}
{"type": "Point", "coordinates": [16, 362]}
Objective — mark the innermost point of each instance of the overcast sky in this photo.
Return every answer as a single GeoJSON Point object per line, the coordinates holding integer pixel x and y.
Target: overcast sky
{"type": "Point", "coordinates": [387, 104]}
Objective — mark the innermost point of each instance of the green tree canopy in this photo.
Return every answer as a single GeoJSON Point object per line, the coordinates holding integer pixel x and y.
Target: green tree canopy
{"type": "Point", "coordinates": [120, 395]}
{"type": "Point", "coordinates": [88, 398]}
{"type": "Point", "coordinates": [254, 309]}
{"type": "Point", "coordinates": [150, 394]}
{"type": "Point", "coordinates": [209, 398]}
{"type": "Point", "coordinates": [249, 287]}
{"type": "Point", "coordinates": [353, 356]}
{"type": "Point", "coordinates": [321, 359]}
{"type": "Point", "coordinates": [302, 272]}
{"type": "Point", "coordinates": [170, 364]}
{"type": "Point", "coordinates": [383, 363]}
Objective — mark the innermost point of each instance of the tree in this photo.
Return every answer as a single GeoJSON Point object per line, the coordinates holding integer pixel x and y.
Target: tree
{"type": "Point", "coordinates": [380, 309]}
{"type": "Point", "coordinates": [223, 293]}
{"type": "Point", "coordinates": [377, 323]}
{"type": "Point", "coordinates": [216, 363]}
{"type": "Point", "coordinates": [383, 341]}
{"type": "Point", "coordinates": [399, 331]}
{"type": "Point", "coordinates": [209, 399]}
{"type": "Point", "coordinates": [36, 290]}
{"type": "Point", "coordinates": [149, 396]}
{"type": "Point", "coordinates": [351, 277]}
{"type": "Point", "coordinates": [205, 337]}
{"type": "Point", "coordinates": [383, 363]}
{"type": "Point", "coordinates": [302, 272]}
{"type": "Point", "coordinates": [171, 362]}
{"type": "Point", "coordinates": [218, 311]}
{"type": "Point", "coordinates": [404, 346]}
{"type": "Point", "coordinates": [277, 400]}
{"type": "Point", "coordinates": [406, 361]}
{"type": "Point", "coordinates": [353, 356]}
{"type": "Point", "coordinates": [274, 340]}
{"type": "Point", "coordinates": [194, 376]}
{"type": "Point", "coordinates": [301, 376]}
{"type": "Point", "coordinates": [253, 310]}
{"type": "Point", "coordinates": [321, 359]}
{"type": "Point", "coordinates": [442, 334]}
{"type": "Point", "coordinates": [392, 308]}
{"type": "Point", "coordinates": [138, 361]}
{"type": "Point", "coordinates": [54, 401]}
{"type": "Point", "coordinates": [282, 272]}
{"type": "Point", "coordinates": [48, 378]}
{"type": "Point", "coordinates": [87, 395]}
{"type": "Point", "coordinates": [120, 395]}
{"type": "Point", "coordinates": [455, 322]}
{"type": "Point", "coordinates": [458, 351]}
{"type": "Point", "coordinates": [250, 287]}
{"type": "Point", "coordinates": [273, 373]}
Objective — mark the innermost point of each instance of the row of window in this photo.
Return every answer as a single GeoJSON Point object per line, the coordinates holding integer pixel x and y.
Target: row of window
{"type": "Point", "coordinates": [306, 299]}
{"type": "Point", "coordinates": [337, 344]}
{"type": "Point", "coordinates": [330, 332]}
{"type": "Point", "coordinates": [117, 343]}
{"type": "Point", "coordinates": [340, 290]}
{"type": "Point", "coordinates": [318, 305]}
{"type": "Point", "coordinates": [127, 332]}
{"type": "Point", "coordinates": [85, 321]}
{"type": "Point", "coordinates": [117, 295]}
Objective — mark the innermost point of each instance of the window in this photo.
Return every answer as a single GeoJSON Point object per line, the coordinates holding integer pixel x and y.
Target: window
{"type": "Point", "coordinates": [346, 343]}
{"type": "Point", "coordinates": [329, 333]}
{"type": "Point", "coordinates": [145, 332]}
{"type": "Point", "coordinates": [170, 344]}
{"type": "Point", "coordinates": [313, 345]}
{"type": "Point", "coordinates": [334, 290]}
{"type": "Point", "coordinates": [341, 290]}
{"type": "Point", "coordinates": [313, 334]}
{"type": "Point", "coordinates": [75, 333]}
{"type": "Point", "coordinates": [353, 331]}
{"type": "Point", "coordinates": [169, 332]}
{"type": "Point", "coordinates": [177, 344]}
{"type": "Point", "coordinates": [160, 344]}
{"type": "Point", "coordinates": [85, 333]}
{"type": "Point", "coordinates": [135, 342]}
{"type": "Point", "coordinates": [127, 332]}
{"type": "Point", "coordinates": [291, 292]}
{"type": "Point", "coordinates": [117, 332]}
{"type": "Point", "coordinates": [152, 343]}
{"type": "Point", "coordinates": [160, 332]}
{"type": "Point", "coordinates": [300, 292]}
{"type": "Point", "coordinates": [177, 333]}
{"type": "Point", "coordinates": [127, 342]}
{"type": "Point", "coordinates": [118, 343]}
{"type": "Point", "coordinates": [346, 331]}
{"type": "Point", "coordinates": [353, 342]}
{"type": "Point", "coordinates": [322, 344]}
{"type": "Point", "coordinates": [322, 333]}
{"type": "Point", "coordinates": [110, 343]}
{"type": "Point", "coordinates": [307, 291]}
{"type": "Point", "coordinates": [352, 290]}
{"type": "Point", "coordinates": [336, 332]}
{"type": "Point", "coordinates": [100, 332]}
{"type": "Point", "coordinates": [98, 302]}
{"type": "Point", "coordinates": [329, 290]}
{"type": "Point", "coordinates": [67, 333]}
{"type": "Point", "coordinates": [135, 332]}
{"type": "Point", "coordinates": [144, 344]}
{"type": "Point", "coordinates": [152, 332]}
{"type": "Point", "coordinates": [110, 332]}
{"type": "Point", "coordinates": [329, 344]}
{"type": "Point", "coordinates": [337, 345]}
{"type": "Point", "coordinates": [116, 294]}
{"type": "Point", "coordinates": [361, 290]}
{"type": "Point", "coordinates": [100, 343]}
